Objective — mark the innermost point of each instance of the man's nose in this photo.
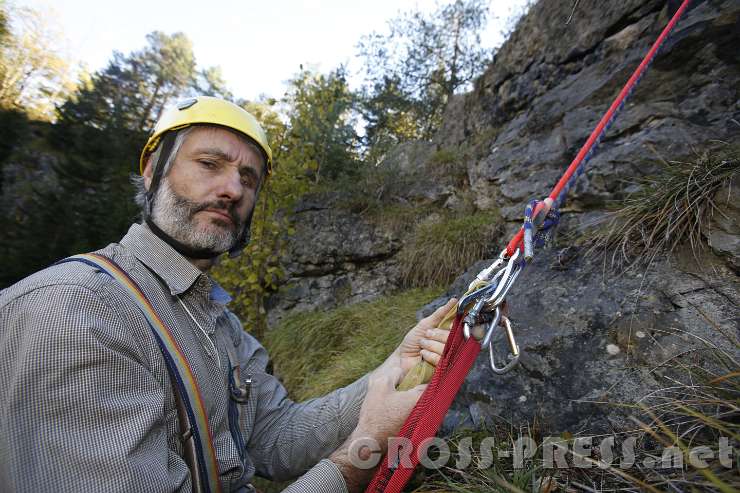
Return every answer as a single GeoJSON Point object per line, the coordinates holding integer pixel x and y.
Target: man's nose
{"type": "Point", "coordinates": [230, 185]}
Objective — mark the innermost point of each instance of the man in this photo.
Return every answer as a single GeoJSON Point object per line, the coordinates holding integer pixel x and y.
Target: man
{"type": "Point", "coordinates": [91, 397]}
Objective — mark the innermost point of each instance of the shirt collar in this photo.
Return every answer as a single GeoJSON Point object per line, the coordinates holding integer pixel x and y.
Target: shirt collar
{"type": "Point", "coordinates": [174, 269]}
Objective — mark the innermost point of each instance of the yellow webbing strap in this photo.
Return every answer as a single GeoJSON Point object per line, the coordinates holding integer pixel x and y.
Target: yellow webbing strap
{"type": "Point", "coordinates": [423, 371]}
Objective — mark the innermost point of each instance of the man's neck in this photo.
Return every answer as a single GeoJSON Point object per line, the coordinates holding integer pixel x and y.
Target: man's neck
{"type": "Point", "coordinates": [204, 264]}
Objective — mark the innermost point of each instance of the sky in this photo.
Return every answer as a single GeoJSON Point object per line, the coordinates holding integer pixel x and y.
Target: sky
{"type": "Point", "coordinates": [258, 45]}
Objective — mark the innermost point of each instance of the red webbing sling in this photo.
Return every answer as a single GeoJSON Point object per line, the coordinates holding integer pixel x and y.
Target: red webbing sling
{"type": "Point", "coordinates": [460, 354]}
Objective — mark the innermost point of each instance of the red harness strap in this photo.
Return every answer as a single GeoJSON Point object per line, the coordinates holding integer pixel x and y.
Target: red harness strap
{"type": "Point", "coordinates": [425, 419]}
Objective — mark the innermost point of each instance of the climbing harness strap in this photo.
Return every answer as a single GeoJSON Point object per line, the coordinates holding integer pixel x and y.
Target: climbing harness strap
{"type": "Point", "coordinates": [195, 430]}
{"type": "Point", "coordinates": [483, 303]}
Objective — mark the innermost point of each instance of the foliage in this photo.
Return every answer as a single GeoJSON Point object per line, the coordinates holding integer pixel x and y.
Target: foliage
{"type": "Point", "coordinates": [321, 127]}
{"type": "Point", "coordinates": [3, 21]}
{"type": "Point", "coordinates": [484, 474]}
{"type": "Point", "coordinates": [318, 141]}
{"type": "Point", "coordinates": [14, 127]}
{"type": "Point", "coordinates": [439, 250]}
{"type": "Point", "coordinates": [444, 157]}
{"type": "Point", "coordinates": [372, 189]}
{"type": "Point", "coordinates": [414, 69]}
{"type": "Point", "coordinates": [354, 340]}
{"type": "Point", "coordinates": [210, 82]}
{"type": "Point", "coordinates": [671, 207]}
{"type": "Point", "coordinates": [34, 75]}
{"type": "Point", "coordinates": [696, 411]}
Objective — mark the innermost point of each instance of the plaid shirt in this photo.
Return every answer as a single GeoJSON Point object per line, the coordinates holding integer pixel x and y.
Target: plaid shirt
{"type": "Point", "coordinates": [86, 403]}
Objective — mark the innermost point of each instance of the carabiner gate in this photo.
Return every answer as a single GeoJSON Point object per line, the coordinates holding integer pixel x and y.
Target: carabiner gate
{"type": "Point", "coordinates": [513, 346]}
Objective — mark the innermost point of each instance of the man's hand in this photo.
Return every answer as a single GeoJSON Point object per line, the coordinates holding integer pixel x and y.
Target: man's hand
{"type": "Point", "coordinates": [382, 414]}
{"type": "Point", "coordinates": [426, 340]}
{"type": "Point", "coordinates": [385, 409]}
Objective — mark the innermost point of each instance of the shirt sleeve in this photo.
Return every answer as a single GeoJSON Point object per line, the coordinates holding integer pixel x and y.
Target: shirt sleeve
{"type": "Point", "coordinates": [80, 409]}
{"type": "Point", "coordinates": [289, 438]}
{"type": "Point", "coordinates": [324, 477]}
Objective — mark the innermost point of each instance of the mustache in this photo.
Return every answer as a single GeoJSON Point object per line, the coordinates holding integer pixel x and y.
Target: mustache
{"type": "Point", "coordinates": [193, 207]}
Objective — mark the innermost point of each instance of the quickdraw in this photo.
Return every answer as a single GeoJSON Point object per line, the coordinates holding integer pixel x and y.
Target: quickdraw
{"type": "Point", "coordinates": [480, 312]}
{"type": "Point", "coordinates": [489, 288]}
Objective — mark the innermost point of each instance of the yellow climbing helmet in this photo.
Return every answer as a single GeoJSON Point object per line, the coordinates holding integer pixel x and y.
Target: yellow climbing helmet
{"type": "Point", "coordinates": [205, 110]}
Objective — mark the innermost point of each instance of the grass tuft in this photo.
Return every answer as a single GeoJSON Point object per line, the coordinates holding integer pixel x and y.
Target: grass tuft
{"type": "Point", "coordinates": [670, 208]}
{"type": "Point", "coordinates": [438, 252]}
{"type": "Point", "coordinates": [315, 353]}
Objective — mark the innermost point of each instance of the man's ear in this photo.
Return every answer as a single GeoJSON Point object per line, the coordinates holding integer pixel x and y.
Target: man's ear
{"type": "Point", "coordinates": [147, 173]}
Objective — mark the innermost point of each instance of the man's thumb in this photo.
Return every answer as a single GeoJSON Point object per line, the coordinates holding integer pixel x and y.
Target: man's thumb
{"type": "Point", "coordinates": [436, 317]}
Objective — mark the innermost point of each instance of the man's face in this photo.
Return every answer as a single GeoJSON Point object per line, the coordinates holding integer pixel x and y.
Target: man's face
{"type": "Point", "coordinates": [210, 189]}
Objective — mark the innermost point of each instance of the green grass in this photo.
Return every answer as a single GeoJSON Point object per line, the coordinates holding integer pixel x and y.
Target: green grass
{"type": "Point", "coordinates": [445, 157]}
{"type": "Point", "coordinates": [314, 353]}
{"type": "Point", "coordinates": [317, 352]}
{"type": "Point", "coordinates": [672, 207]}
{"type": "Point", "coordinates": [437, 252]}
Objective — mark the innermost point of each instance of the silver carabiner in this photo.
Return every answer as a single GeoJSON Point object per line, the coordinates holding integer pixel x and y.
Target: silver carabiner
{"type": "Point", "coordinates": [505, 283]}
{"type": "Point", "coordinates": [485, 274]}
{"type": "Point", "coordinates": [494, 301]}
{"type": "Point", "coordinates": [513, 347]}
{"type": "Point", "coordinates": [491, 327]}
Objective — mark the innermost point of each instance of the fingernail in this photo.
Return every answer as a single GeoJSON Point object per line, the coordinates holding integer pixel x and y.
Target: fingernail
{"type": "Point", "coordinates": [430, 332]}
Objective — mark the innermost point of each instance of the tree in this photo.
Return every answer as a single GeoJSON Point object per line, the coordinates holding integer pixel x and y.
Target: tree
{"type": "Point", "coordinates": [317, 141]}
{"type": "Point", "coordinates": [132, 91]}
{"type": "Point", "coordinates": [210, 82]}
{"type": "Point", "coordinates": [321, 127]}
{"type": "Point", "coordinates": [34, 76]}
{"type": "Point", "coordinates": [413, 70]}
{"type": "Point", "coordinates": [87, 157]}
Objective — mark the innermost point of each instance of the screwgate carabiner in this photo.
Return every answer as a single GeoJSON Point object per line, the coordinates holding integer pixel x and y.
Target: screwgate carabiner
{"type": "Point", "coordinates": [513, 347]}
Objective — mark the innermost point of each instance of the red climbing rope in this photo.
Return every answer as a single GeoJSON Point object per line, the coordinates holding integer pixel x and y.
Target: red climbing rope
{"type": "Point", "coordinates": [460, 351]}
{"type": "Point", "coordinates": [563, 185]}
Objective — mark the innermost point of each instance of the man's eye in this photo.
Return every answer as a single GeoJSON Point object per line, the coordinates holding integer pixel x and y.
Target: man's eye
{"type": "Point", "coordinates": [207, 163]}
{"type": "Point", "coordinates": [248, 181]}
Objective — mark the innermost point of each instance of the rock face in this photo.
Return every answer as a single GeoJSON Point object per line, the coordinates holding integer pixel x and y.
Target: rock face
{"type": "Point", "coordinates": [590, 336]}
{"type": "Point", "coordinates": [550, 83]}
{"type": "Point", "coordinates": [724, 236]}
{"type": "Point", "coordinates": [591, 341]}
{"type": "Point", "coordinates": [335, 257]}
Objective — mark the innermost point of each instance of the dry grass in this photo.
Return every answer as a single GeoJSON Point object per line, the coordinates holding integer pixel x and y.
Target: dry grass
{"type": "Point", "coordinates": [315, 353]}
{"type": "Point", "coordinates": [437, 252]}
{"type": "Point", "coordinates": [698, 405]}
{"type": "Point", "coordinates": [485, 474]}
{"type": "Point", "coordinates": [671, 208]}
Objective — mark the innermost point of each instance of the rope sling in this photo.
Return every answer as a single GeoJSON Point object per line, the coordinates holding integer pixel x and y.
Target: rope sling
{"type": "Point", "coordinates": [481, 311]}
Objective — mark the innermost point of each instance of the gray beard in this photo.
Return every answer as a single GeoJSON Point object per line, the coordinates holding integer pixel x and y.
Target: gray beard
{"type": "Point", "coordinates": [174, 214]}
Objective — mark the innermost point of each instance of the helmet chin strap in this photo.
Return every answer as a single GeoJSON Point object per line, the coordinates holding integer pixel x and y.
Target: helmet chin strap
{"type": "Point", "coordinates": [197, 253]}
